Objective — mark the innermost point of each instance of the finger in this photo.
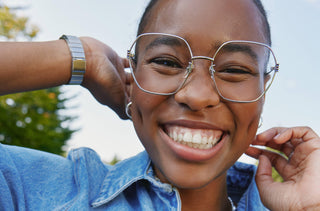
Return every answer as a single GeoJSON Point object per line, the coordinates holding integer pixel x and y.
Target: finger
{"type": "Point", "coordinates": [267, 135]}
{"type": "Point", "coordinates": [265, 183]}
{"type": "Point", "coordinates": [278, 137]}
{"type": "Point", "coordinates": [268, 144]}
{"type": "Point", "coordinates": [304, 150]}
{"type": "Point", "coordinates": [266, 138]}
{"type": "Point", "coordinates": [300, 142]}
{"type": "Point", "coordinates": [120, 67]}
{"type": "Point", "coordinates": [264, 171]}
{"type": "Point", "coordinates": [253, 152]}
{"type": "Point", "coordinates": [276, 159]}
{"type": "Point", "coordinates": [287, 149]}
{"type": "Point", "coordinates": [279, 162]}
{"type": "Point", "coordinates": [294, 134]}
{"type": "Point", "coordinates": [125, 62]}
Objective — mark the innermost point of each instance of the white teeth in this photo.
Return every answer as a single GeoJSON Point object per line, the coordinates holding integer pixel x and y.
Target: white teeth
{"type": "Point", "coordinates": [204, 140]}
{"type": "Point", "coordinates": [175, 135]}
{"type": "Point", "coordinates": [187, 137]}
{"type": "Point", "coordinates": [195, 138]}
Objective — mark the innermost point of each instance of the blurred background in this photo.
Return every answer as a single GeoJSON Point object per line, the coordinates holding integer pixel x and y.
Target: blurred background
{"type": "Point", "coordinates": [293, 99]}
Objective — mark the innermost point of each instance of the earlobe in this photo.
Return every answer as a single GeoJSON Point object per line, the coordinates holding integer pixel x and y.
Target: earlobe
{"type": "Point", "coordinates": [128, 85]}
{"type": "Point", "coordinates": [128, 89]}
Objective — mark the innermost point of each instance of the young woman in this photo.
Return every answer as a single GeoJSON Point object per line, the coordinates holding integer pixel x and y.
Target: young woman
{"type": "Point", "coordinates": [199, 74]}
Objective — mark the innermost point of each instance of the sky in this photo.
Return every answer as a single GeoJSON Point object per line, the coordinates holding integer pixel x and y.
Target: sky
{"type": "Point", "coordinates": [293, 99]}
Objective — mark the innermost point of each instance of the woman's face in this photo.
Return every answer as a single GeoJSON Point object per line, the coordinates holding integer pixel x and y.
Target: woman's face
{"type": "Point", "coordinates": [197, 109]}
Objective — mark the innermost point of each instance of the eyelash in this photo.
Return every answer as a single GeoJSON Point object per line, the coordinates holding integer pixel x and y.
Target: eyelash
{"type": "Point", "coordinates": [236, 71]}
{"type": "Point", "coordinates": [166, 62]}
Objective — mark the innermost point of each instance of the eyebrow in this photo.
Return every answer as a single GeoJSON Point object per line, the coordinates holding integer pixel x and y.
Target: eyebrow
{"type": "Point", "coordinates": [235, 47]}
{"type": "Point", "coordinates": [165, 40]}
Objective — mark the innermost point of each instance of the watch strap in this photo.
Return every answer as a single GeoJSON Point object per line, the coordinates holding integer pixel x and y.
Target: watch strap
{"type": "Point", "coordinates": [78, 68]}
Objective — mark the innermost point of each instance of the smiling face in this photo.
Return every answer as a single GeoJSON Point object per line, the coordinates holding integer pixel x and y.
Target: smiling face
{"type": "Point", "coordinates": [194, 136]}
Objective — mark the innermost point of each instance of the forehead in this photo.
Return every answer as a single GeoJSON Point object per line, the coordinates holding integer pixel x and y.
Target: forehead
{"type": "Point", "coordinates": [213, 21]}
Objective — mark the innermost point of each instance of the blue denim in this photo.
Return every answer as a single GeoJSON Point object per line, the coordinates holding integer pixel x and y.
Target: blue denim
{"type": "Point", "coordinates": [35, 180]}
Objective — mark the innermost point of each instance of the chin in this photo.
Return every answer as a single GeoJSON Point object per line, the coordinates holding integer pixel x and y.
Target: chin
{"type": "Point", "coordinates": [187, 183]}
{"type": "Point", "coordinates": [190, 175]}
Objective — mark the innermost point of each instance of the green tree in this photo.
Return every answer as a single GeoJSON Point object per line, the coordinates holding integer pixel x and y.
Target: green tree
{"type": "Point", "coordinates": [114, 160]}
{"type": "Point", "coordinates": [31, 119]}
{"type": "Point", "coordinates": [12, 26]}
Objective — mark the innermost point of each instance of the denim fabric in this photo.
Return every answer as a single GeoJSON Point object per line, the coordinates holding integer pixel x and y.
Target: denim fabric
{"type": "Point", "coordinates": [34, 180]}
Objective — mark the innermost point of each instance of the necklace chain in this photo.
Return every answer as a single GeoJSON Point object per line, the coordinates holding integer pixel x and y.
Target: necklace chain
{"type": "Point", "coordinates": [232, 205]}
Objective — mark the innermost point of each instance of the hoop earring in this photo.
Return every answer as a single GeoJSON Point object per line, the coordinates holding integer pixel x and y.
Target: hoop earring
{"type": "Point", "coordinates": [260, 122]}
{"type": "Point", "coordinates": [128, 109]}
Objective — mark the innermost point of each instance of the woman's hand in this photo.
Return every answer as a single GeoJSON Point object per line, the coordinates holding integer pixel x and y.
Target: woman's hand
{"type": "Point", "coordinates": [300, 189]}
{"type": "Point", "coordinates": [105, 77]}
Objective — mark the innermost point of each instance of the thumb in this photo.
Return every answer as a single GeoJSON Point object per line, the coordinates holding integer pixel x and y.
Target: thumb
{"type": "Point", "coordinates": [264, 172]}
{"type": "Point", "coordinates": [268, 189]}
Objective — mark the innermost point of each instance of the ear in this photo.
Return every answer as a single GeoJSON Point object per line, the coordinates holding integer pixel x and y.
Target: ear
{"type": "Point", "coordinates": [129, 82]}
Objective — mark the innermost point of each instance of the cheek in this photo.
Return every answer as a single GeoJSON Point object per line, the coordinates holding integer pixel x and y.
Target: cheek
{"type": "Point", "coordinates": [145, 111]}
{"type": "Point", "coordinates": [246, 117]}
{"type": "Point", "coordinates": [145, 106]}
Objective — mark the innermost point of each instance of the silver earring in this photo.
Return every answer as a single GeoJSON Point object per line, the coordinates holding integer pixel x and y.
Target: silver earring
{"type": "Point", "coordinates": [128, 109]}
{"type": "Point", "coordinates": [260, 122]}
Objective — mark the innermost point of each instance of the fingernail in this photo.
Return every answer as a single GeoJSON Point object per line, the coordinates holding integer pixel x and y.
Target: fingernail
{"type": "Point", "coordinates": [277, 136]}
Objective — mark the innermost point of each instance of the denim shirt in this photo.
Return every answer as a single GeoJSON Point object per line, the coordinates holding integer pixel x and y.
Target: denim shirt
{"type": "Point", "coordinates": [35, 180]}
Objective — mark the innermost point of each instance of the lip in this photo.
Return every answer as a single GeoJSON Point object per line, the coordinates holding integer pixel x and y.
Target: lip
{"type": "Point", "coordinates": [189, 153]}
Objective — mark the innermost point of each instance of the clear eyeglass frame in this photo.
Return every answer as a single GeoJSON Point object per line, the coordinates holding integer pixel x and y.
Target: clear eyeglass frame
{"type": "Point", "coordinates": [190, 67]}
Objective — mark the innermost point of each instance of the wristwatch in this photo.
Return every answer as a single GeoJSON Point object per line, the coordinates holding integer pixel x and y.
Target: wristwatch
{"type": "Point", "coordinates": [78, 59]}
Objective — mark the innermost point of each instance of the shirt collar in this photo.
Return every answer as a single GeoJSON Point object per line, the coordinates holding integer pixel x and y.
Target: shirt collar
{"type": "Point", "coordinates": [122, 175]}
{"type": "Point", "coordinates": [125, 173]}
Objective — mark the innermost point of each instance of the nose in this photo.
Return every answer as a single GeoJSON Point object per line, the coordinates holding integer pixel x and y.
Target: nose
{"type": "Point", "coordinates": [199, 91]}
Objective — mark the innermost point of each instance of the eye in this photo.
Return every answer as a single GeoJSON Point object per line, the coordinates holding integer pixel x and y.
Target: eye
{"type": "Point", "coordinates": [166, 62]}
{"type": "Point", "coordinates": [235, 74]}
{"type": "Point", "coordinates": [235, 71]}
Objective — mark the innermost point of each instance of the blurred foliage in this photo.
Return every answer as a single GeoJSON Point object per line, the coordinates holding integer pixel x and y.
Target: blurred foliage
{"type": "Point", "coordinates": [12, 26]}
{"type": "Point", "coordinates": [31, 119]}
{"type": "Point", "coordinates": [114, 160]}
{"type": "Point", "coordinates": [276, 176]}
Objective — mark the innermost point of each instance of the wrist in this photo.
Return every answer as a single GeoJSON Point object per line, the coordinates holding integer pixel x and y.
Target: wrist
{"type": "Point", "coordinates": [88, 53]}
{"type": "Point", "coordinates": [94, 59]}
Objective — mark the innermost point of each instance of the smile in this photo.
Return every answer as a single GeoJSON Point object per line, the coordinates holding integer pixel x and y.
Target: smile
{"type": "Point", "coordinates": [194, 138]}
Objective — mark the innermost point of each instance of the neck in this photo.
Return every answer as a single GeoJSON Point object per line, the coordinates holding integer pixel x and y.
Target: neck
{"type": "Point", "coordinates": [210, 197]}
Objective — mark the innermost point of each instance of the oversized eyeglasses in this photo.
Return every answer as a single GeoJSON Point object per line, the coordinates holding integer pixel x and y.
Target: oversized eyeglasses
{"type": "Point", "coordinates": [242, 71]}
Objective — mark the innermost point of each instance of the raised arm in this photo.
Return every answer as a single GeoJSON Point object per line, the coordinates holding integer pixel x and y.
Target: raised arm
{"type": "Point", "coordinates": [26, 66]}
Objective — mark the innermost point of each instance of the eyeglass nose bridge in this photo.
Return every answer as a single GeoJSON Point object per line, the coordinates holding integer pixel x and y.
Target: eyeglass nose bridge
{"type": "Point", "coordinates": [211, 68]}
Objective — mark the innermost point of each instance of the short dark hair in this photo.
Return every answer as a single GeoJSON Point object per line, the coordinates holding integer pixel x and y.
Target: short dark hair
{"type": "Point", "coordinates": [258, 3]}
